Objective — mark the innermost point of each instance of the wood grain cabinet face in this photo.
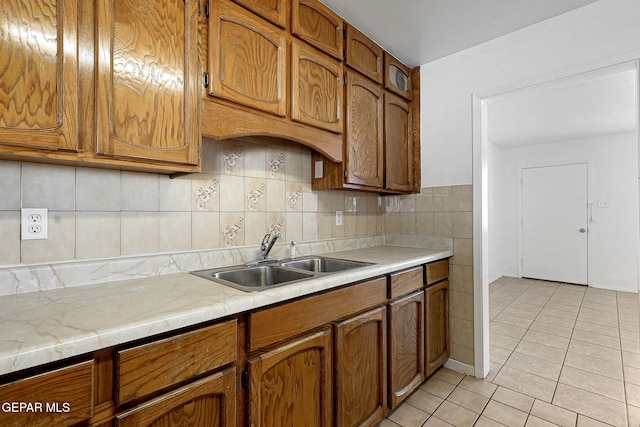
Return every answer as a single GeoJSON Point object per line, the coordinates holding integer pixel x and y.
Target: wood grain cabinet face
{"type": "Point", "coordinates": [247, 59]}
{"type": "Point", "coordinates": [398, 147]}
{"type": "Point", "coordinates": [39, 74]}
{"type": "Point", "coordinates": [316, 92]}
{"type": "Point", "coordinates": [437, 346]}
{"type": "Point", "coordinates": [361, 369]}
{"type": "Point", "coordinates": [397, 77]}
{"type": "Point", "coordinates": [65, 396]}
{"type": "Point", "coordinates": [210, 401]}
{"type": "Point", "coordinates": [364, 55]}
{"type": "Point", "coordinates": [364, 137]}
{"type": "Point", "coordinates": [147, 80]}
{"type": "Point", "coordinates": [291, 385]}
{"type": "Point", "coordinates": [318, 25]}
{"type": "Point", "coordinates": [155, 366]}
{"type": "Point", "coordinates": [406, 346]}
{"type": "Point", "coordinates": [274, 11]}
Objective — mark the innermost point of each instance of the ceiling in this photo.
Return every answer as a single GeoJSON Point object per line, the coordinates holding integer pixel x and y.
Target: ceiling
{"type": "Point", "coordinates": [420, 31]}
{"type": "Point", "coordinates": [582, 106]}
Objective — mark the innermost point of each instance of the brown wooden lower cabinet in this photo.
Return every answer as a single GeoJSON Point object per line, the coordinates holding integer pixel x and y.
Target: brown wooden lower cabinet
{"type": "Point", "coordinates": [206, 402]}
{"type": "Point", "coordinates": [406, 346]}
{"type": "Point", "coordinates": [291, 385]}
{"type": "Point", "coordinates": [361, 369]}
{"type": "Point", "coordinates": [338, 358]}
{"type": "Point", "coordinates": [437, 326]}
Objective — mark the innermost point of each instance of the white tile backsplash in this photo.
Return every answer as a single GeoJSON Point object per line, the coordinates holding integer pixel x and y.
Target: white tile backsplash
{"type": "Point", "coordinates": [48, 186]}
{"type": "Point", "coordinates": [139, 192]}
{"type": "Point", "coordinates": [98, 190]}
{"type": "Point", "coordinates": [9, 186]}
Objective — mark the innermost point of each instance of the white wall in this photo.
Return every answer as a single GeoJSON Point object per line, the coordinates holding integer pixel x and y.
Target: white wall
{"type": "Point", "coordinates": [613, 235]}
{"type": "Point", "coordinates": [600, 34]}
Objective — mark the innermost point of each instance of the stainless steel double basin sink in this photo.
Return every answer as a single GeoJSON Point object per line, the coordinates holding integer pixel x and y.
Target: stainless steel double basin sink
{"type": "Point", "coordinates": [267, 275]}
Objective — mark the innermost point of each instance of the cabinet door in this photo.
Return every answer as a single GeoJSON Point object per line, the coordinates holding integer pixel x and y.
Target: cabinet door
{"type": "Point", "coordinates": [210, 401]}
{"type": "Point", "coordinates": [406, 346]}
{"type": "Point", "coordinates": [147, 80]}
{"type": "Point", "coordinates": [39, 74]}
{"type": "Point", "coordinates": [364, 55]}
{"type": "Point", "coordinates": [274, 11]}
{"type": "Point", "coordinates": [364, 137]}
{"type": "Point", "coordinates": [316, 88]}
{"type": "Point", "coordinates": [437, 327]}
{"type": "Point", "coordinates": [361, 369]}
{"type": "Point", "coordinates": [318, 25]}
{"type": "Point", "coordinates": [247, 59]}
{"type": "Point", "coordinates": [291, 385]}
{"type": "Point", "coordinates": [397, 76]}
{"type": "Point", "coordinates": [398, 146]}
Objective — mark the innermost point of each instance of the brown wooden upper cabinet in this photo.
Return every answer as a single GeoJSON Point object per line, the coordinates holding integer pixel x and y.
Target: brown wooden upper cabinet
{"type": "Point", "coordinates": [398, 146]}
{"type": "Point", "coordinates": [397, 76]}
{"type": "Point", "coordinates": [39, 74]}
{"type": "Point", "coordinates": [247, 59]}
{"type": "Point", "coordinates": [316, 88]}
{"type": "Point", "coordinates": [147, 85]}
{"type": "Point", "coordinates": [364, 137]}
{"type": "Point", "coordinates": [364, 55]}
{"type": "Point", "coordinates": [274, 11]}
{"type": "Point", "coordinates": [318, 25]}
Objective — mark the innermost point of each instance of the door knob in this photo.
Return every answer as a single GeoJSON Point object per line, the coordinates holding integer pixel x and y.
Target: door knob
{"type": "Point", "coordinates": [582, 230]}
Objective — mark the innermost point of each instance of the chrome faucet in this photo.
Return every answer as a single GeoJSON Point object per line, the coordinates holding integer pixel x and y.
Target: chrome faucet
{"type": "Point", "coordinates": [266, 245]}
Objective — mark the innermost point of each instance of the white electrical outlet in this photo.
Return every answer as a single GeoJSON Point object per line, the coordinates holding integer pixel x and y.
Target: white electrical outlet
{"type": "Point", "coordinates": [338, 217]}
{"type": "Point", "coordinates": [34, 223]}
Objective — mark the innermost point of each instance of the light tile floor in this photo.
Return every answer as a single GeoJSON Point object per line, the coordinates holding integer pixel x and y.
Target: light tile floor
{"type": "Point", "coordinates": [561, 355]}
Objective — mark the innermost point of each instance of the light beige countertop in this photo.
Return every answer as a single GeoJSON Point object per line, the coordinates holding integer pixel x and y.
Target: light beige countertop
{"type": "Point", "coordinates": [47, 326]}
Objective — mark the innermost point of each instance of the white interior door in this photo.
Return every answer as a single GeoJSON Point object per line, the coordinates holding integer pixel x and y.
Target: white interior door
{"type": "Point", "coordinates": [555, 223]}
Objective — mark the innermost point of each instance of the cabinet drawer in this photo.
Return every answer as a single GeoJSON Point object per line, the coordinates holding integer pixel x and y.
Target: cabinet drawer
{"type": "Point", "coordinates": [405, 282]}
{"type": "Point", "coordinates": [152, 367]}
{"type": "Point", "coordinates": [436, 271]}
{"type": "Point", "coordinates": [274, 324]}
{"type": "Point", "coordinates": [61, 397]}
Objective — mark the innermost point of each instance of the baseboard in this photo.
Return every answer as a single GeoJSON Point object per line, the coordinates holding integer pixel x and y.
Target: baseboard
{"type": "Point", "coordinates": [463, 368]}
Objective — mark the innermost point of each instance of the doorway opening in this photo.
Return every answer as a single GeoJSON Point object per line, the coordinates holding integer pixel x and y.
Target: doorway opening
{"type": "Point", "coordinates": [590, 119]}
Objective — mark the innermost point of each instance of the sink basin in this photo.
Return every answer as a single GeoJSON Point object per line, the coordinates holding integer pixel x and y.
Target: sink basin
{"type": "Point", "coordinates": [254, 278]}
{"type": "Point", "coordinates": [323, 265]}
{"type": "Point", "coordinates": [251, 278]}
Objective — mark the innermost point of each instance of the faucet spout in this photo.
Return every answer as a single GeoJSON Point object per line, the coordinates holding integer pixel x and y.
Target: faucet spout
{"type": "Point", "coordinates": [266, 245]}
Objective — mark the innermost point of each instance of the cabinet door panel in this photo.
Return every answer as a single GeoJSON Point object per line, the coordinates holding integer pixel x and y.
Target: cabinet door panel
{"type": "Point", "coordinates": [364, 55]}
{"type": "Point", "coordinates": [274, 11]}
{"type": "Point", "coordinates": [437, 326]}
{"type": "Point", "coordinates": [364, 148]}
{"type": "Point", "coordinates": [39, 74]}
{"type": "Point", "coordinates": [406, 346]}
{"type": "Point", "coordinates": [210, 401]}
{"type": "Point", "coordinates": [147, 86]}
{"type": "Point", "coordinates": [316, 92]}
{"type": "Point", "coordinates": [247, 59]}
{"type": "Point", "coordinates": [361, 369]}
{"type": "Point", "coordinates": [318, 25]}
{"type": "Point", "coordinates": [398, 147]}
{"type": "Point", "coordinates": [291, 385]}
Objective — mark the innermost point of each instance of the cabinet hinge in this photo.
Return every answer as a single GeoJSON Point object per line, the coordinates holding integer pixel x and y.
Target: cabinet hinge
{"type": "Point", "coordinates": [344, 79]}
{"type": "Point", "coordinates": [244, 379]}
{"type": "Point", "coordinates": [206, 10]}
{"type": "Point", "coordinates": [198, 152]}
{"type": "Point", "coordinates": [345, 174]}
{"type": "Point", "coordinates": [205, 79]}
{"type": "Point", "coordinates": [344, 32]}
